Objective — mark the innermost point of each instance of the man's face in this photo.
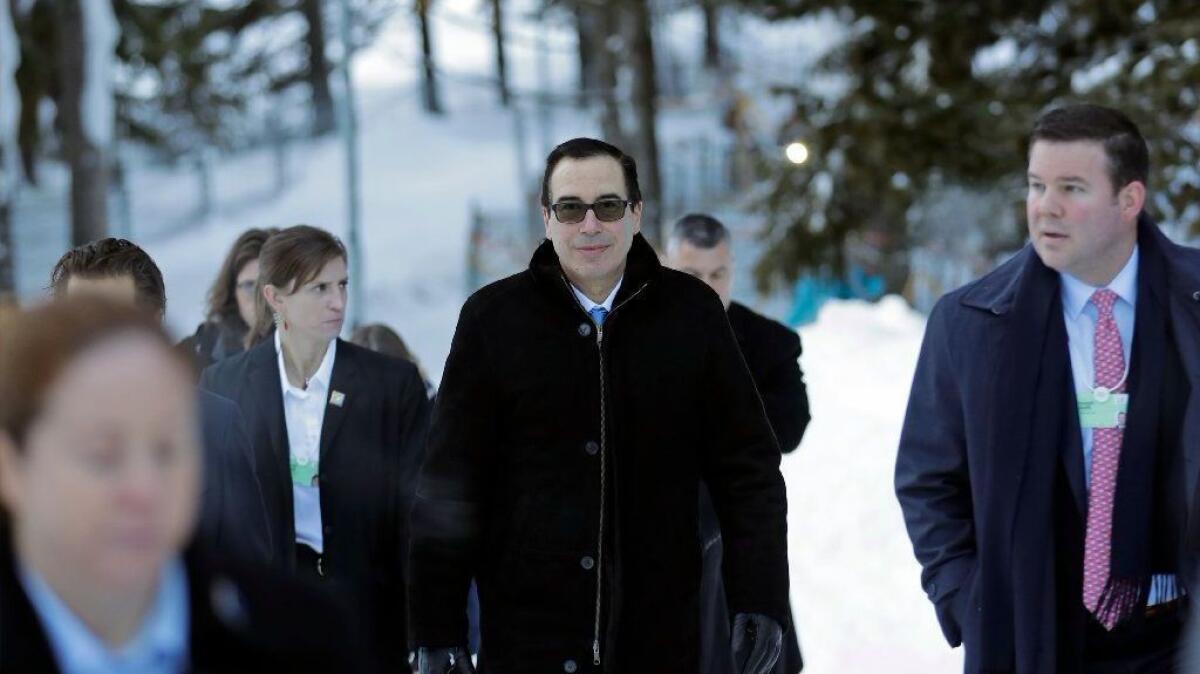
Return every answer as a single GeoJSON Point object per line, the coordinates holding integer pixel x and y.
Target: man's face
{"type": "Point", "coordinates": [713, 265]}
{"type": "Point", "coordinates": [117, 288]}
{"type": "Point", "coordinates": [592, 252]}
{"type": "Point", "coordinates": [1077, 223]}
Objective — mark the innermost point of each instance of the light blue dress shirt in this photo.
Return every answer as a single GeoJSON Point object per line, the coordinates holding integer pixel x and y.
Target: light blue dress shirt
{"type": "Point", "coordinates": [1081, 316]}
{"type": "Point", "coordinates": [160, 645]}
{"type": "Point", "coordinates": [588, 304]}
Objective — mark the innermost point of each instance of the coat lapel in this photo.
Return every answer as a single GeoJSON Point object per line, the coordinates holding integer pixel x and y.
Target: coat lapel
{"type": "Point", "coordinates": [341, 396]}
{"type": "Point", "coordinates": [268, 396]}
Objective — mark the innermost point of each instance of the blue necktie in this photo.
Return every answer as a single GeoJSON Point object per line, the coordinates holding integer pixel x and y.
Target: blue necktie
{"type": "Point", "coordinates": [598, 315]}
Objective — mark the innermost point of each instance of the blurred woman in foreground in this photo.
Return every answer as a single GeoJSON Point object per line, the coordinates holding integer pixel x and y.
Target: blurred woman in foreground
{"type": "Point", "coordinates": [99, 488]}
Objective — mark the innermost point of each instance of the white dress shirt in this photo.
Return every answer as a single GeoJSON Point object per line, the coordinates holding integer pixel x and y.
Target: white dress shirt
{"type": "Point", "coordinates": [304, 413]}
{"type": "Point", "coordinates": [1081, 316]}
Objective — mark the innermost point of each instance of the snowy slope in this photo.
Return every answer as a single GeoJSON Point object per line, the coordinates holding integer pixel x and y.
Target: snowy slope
{"type": "Point", "coordinates": [855, 584]}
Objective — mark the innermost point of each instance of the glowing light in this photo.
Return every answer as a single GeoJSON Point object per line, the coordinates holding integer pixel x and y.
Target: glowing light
{"type": "Point", "coordinates": [797, 152]}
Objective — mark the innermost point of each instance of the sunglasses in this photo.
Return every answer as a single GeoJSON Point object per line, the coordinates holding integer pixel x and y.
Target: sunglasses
{"type": "Point", "coordinates": [573, 212]}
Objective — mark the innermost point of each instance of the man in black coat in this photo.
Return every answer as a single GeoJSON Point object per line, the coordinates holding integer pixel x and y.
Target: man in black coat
{"type": "Point", "coordinates": [583, 402]}
{"type": "Point", "coordinates": [1047, 467]}
{"type": "Point", "coordinates": [233, 519]}
{"type": "Point", "coordinates": [700, 245]}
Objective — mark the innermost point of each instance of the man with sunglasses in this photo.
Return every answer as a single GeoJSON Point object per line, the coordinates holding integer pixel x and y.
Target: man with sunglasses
{"type": "Point", "coordinates": [582, 403]}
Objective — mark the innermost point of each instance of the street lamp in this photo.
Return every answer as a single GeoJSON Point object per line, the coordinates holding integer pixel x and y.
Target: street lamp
{"type": "Point", "coordinates": [796, 152]}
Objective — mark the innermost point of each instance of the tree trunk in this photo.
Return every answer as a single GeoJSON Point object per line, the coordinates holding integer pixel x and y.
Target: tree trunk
{"type": "Point", "coordinates": [645, 109]}
{"type": "Point", "coordinates": [501, 65]}
{"type": "Point", "coordinates": [712, 33]}
{"type": "Point", "coordinates": [88, 161]}
{"type": "Point", "coordinates": [318, 67]}
{"type": "Point", "coordinates": [10, 111]}
{"type": "Point", "coordinates": [433, 103]}
{"type": "Point", "coordinates": [587, 21]}
{"type": "Point", "coordinates": [606, 63]}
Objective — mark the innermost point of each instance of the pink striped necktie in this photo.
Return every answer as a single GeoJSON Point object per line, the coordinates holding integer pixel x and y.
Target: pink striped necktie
{"type": "Point", "coordinates": [1108, 361]}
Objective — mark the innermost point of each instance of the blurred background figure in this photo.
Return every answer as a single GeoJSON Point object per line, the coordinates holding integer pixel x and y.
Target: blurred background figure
{"type": "Point", "coordinates": [99, 502]}
{"type": "Point", "coordinates": [231, 302]}
{"type": "Point", "coordinates": [338, 433]}
{"type": "Point", "coordinates": [382, 339]}
{"type": "Point", "coordinates": [233, 519]}
{"type": "Point", "coordinates": [701, 246]}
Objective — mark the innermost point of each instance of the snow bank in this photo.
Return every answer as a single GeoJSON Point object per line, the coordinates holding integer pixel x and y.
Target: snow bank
{"type": "Point", "coordinates": [855, 584]}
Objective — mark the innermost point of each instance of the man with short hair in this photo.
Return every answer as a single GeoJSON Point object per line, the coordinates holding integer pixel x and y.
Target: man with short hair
{"type": "Point", "coordinates": [583, 402]}
{"type": "Point", "coordinates": [1046, 468]}
{"type": "Point", "coordinates": [233, 517]}
{"type": "Point", "coordinates": [700, 245]}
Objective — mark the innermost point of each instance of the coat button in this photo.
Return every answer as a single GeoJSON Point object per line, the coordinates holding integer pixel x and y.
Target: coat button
{"type": "Point", "coordinates": [585, 329]}
{"type": "Point", "coordinates": [570, 667]}
{"type": "Point", "coordinates": [1196, 296]}
{"type": "Point", "coordinates": [587, 563]}
{"type": "Point", "coordinates": [591, 447]}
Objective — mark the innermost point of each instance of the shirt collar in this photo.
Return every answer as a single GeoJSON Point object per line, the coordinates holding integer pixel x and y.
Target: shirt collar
{"type": "Point", "coordinates": [320, 378]}
{"type": "Point", "coordinates": [588, 304]}
{"type": "Point", "coordinates": [161, 643]}
{"type": "Point", "coordinates": [1076, 294]}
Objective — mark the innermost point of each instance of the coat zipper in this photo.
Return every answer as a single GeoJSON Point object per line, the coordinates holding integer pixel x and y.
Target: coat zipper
{"type": "Point", "coordinates": [603, 467]}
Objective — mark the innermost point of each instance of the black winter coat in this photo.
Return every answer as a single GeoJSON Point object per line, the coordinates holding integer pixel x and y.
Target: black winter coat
{"type": "Point", "coordinates": [371, 448]}
{"type": "Point", "coordinates": [562, 457]}
{"type": "Point", "coordinates": [772, 352]}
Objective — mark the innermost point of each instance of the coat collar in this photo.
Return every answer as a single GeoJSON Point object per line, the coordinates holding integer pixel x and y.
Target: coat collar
{"type": "Point", "coordinates": [641, 267]}
{"type": "Point", "coordinates": [268, 393]}
{"type": "Point", "coordinates": [996, 291]}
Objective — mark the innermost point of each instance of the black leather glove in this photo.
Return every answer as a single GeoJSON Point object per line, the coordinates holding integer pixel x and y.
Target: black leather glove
{"type": "Point", "coordinates": [756, 644]}
{"type": "Point", "coordinates": [444, 661]}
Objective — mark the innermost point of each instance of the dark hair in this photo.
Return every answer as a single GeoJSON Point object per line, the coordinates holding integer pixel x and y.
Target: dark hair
{"type": "Point", "coordinates": [700, 230]}
{"type": "Point", "coordinates": [38, 343]}
{"type": "Point", "coordinates": [583, 148]}
{"type": "Point", "coordinates": [222, 297]}
{"type": "Point", "coordinates": [1128, 156]}
{"type": "Point", "coordinates": [113, 258]}
{"type": "Point", "coordinates": [382, 339]}
{"type": "Point", "coordinates": [290, 258]}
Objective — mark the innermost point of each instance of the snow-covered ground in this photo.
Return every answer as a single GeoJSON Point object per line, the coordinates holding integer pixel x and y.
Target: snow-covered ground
{"type": "Point", "coordinates": [855, 584]}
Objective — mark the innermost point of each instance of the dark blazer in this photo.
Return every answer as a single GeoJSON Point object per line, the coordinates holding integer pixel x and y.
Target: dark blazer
{"type": "Point", "coordinates": [240, 620]}
{"type": "Point", "coordinates": [542, 423]}
{"type": "Point", "coordinates": [371, 448]}
{"type": "Point", "coordinates": [965, 471]}
{"type": "Point", "coordinates": [772, 352]}
{"type": "Point", "coordinates": [233, 517]}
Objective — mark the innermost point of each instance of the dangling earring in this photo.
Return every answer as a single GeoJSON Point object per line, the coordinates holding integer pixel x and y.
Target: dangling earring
{"type": "Point", "coordinates": [279, 322]}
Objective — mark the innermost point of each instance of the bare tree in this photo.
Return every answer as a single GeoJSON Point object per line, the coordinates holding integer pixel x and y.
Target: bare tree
{"type": "Point", "coordinates": [609, 24]}
{"type": "Point", "coordinates": [9, 113]}
{"type": "Point", "coordinates": [501, 65]}
{"type": "Point", "coordinates": [318, 67]}
{"type": "Point", "coordinates": [433, 103]}
{"type": "Point", "coordinates": [712, 33]}
{"type": "Point", "coordinates": [88, 32]}
{"type": "Point", "coordinates": [645, 110]}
